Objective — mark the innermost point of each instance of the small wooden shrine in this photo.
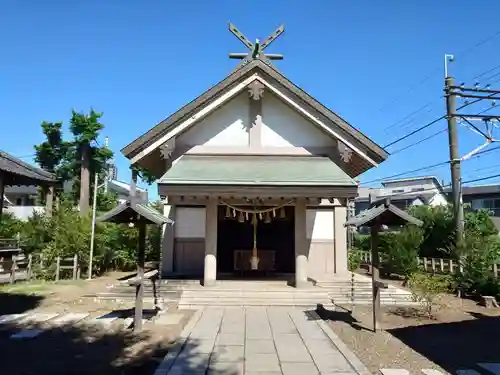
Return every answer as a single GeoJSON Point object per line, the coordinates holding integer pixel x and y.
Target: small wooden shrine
{"type": "Point", "coordinates": [381, 213]}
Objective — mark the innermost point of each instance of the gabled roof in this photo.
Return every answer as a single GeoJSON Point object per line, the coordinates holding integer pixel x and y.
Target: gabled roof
{"type": "Point", "coordinates": [344, 131]}
{"type": "Point", "coordinates": [126, 212]}
{"type": "Point", "coordinates": [17, 172]}
{"type": "Point", "coordinates": [386, 213]}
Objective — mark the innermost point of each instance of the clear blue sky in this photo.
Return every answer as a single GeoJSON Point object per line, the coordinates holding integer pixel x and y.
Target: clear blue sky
{"type": "Point", "coordinates": [373, 62]}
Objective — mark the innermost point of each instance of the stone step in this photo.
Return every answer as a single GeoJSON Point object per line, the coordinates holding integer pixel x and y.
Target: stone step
{"type": "Point", "coordinates": [256, 302]}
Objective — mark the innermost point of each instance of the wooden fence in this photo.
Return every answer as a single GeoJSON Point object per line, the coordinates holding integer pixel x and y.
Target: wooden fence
{"type": "Point", "coordinates": [434, 265]}
{"type": "Point", "coordinates": [20, 267]}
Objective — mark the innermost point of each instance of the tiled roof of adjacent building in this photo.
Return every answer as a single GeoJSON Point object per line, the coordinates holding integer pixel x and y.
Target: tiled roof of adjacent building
{"type": "Point", "coordinates": [17, 172]}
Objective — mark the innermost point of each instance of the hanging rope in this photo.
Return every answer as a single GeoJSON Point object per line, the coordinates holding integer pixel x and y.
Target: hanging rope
{"type": "Point", "coordinates": [256, 212]}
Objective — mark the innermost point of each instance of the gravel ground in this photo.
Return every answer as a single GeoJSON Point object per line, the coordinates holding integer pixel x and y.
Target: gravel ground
{"type": "Point", "coordinates": [460, 335]}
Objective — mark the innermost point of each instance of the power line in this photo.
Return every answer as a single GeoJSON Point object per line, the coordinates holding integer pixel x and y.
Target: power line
{"type": "Point", "coordinates": [481, 179]}
{"type": "Point", "coordinates": [437, 70]}
{"type": "Point", "coordinates": [407, 117]}
{"type": "Point", "coordinates": [428, 167]}
{"type": "Point", "coordinates": [434, 121]}
{"type": "Point", "coordinates": [409, 172]}
{"type": "Point", "coordinates": [415, 131]}
{"type": "Point", "coordinates": [419, 142]}
{"type": "Point", "coordinates": [486, 72]}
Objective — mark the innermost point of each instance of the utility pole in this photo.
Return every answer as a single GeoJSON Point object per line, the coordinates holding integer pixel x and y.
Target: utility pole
{"type": "Point", "coordinates": [478, 94]}
{"type": "Point", "coordinates": [451, 109]}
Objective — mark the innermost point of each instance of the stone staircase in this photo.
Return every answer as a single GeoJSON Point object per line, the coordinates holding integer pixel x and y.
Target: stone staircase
{"type": "Point", "coordinates": [343, 291]}
{"type": "Point", "coordinates": [190, 294]}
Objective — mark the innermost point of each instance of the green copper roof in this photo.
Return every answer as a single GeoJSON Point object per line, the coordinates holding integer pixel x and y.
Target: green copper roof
{"type": "Point", "coordinates": [256, 171]}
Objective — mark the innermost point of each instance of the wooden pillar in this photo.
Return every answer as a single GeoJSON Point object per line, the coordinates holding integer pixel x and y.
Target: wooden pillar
{"type": "Point", "coordinates": [210, 269]}
{"type": "Point", "coordinates": [375, 274]}
{"type": "Point", "coordinates": [2, 186]}
{"type": "Point", "coordinates": [133, 189]}
{"type": "Point", "coordinates": [167, 246]}
{"type": "Point", "coordinates": [139, 295]}
{"type": "Point", "coordinates": [340, 241]}
{"type": "Point", "coordinates": [49, 201]}
{"type": "Point", "coordinates": [301, 251]}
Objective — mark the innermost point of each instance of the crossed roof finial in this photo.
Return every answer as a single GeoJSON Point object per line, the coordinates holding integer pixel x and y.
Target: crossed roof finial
{"type": "Point", "coordinates": [256, 50]}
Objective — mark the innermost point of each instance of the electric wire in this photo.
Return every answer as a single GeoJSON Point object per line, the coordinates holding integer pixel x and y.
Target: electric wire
{"type": "Point", "coordinates": [437, 70]}
{"type": "Point", "coordinates": [429, 167]}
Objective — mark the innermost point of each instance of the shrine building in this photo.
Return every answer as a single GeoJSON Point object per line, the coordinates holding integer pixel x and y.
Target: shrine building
{"type": "Point", "coordinates": [256, 175]}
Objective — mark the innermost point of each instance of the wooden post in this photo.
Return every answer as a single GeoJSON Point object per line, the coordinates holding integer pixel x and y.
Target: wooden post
{"type": "Point", "coordinates": [29, 268]}
{"type": "Point", "coordinates": [13, 269]}
{"type": "Point", "coordinates": [495, 270]}
{"type": "Point", "coordinates": [433, 265]}
{"type": "Point", "coordinates": [139, 295]}
{"type": "Point", "coordinates": [375, 274]}
{"type": "Point", "coordinates": [451, 266]}
{"type": "Point", "coordinates": [441, 264]}
{"type": "Point", "coordinates": [425, 264]}
{"type": "Point", "coordinates": [75, 265]}
{"type": "Point", "coordinates": [58, 265]}
{"type": "Point", "coordinates": [49, 201]}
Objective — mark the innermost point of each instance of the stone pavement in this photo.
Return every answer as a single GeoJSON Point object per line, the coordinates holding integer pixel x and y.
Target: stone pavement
{"type": "Point", "coordinates": [258, 341]}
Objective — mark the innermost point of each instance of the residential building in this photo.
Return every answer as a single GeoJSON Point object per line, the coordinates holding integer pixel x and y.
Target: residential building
{"type": "Point", "coordinates": [482, 197]}
{"type": "Point", "coordinates": [21, 201]}
{"type": "Point", "coordinates": [18, 186]}
{"type": "Point", "coordinates": [404, 193]}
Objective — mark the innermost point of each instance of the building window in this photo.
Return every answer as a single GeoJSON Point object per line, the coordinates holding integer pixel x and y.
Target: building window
{"type": "Point", "coordinates": [418, 189]}
{"type": "Point", "coordinates": [398, 190]}
{"type": "Point", "coordinates": [492, 205]}
{"type": "Point", "coordinates": [19, 202]}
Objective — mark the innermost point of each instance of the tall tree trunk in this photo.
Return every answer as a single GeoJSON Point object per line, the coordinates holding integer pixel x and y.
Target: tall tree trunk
{"type": "Point", "coordinates": [85, 180]}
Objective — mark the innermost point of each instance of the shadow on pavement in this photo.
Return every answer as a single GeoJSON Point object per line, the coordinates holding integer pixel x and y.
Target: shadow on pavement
{"type": "Point", "coordinates": [13, 303]}
{"type": "Point", "coordinates": [340, 314]}
{"type": "Point", "coordinates": [89, 349]}
{"type": "Point", "coordinates": [457, 345]}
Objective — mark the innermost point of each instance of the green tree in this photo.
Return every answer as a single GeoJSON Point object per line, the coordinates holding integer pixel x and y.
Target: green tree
{"type": "Point", "coordinates": [89, 158]}
{"type": "Point", "coordinates": [479, 223]}
{"type": "Point", "coordinates": [401, 257]}
{"type": "Point", "coordinates": [438, 230]}
{"type": "Point", "coordinates": [477, 256]}
{"type": "Point", "coordinates": [144, 174]}
{"type": "Point", "coordinates": [76, 159]}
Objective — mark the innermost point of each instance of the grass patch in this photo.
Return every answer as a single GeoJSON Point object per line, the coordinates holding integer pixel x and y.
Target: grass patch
{"type": "Point", "coordinates": [29, 288]}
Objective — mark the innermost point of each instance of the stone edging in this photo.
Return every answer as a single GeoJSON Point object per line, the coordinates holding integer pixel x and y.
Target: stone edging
{"type": "Point", "coordinates": [356, 364]}
{"type": "Point", "coordinates": [172, 354]}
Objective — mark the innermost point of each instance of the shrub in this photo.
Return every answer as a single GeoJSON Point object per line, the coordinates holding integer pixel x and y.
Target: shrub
{"type": "Point", "coordinates": [9, 226]}
{"type": "Point", "coordinates": [361, 242]}
{"type": "Point", "coordinates": [401, 254]}
{"type": "Point", "coordinates": [354, 260]}
{"type": "Point", "coordinates": [426, 289]}
{"type": "Point", "coordinates": [477, 256]}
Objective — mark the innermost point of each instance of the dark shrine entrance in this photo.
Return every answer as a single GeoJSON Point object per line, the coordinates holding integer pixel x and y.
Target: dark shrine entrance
{"type": "Point", "coordinates": [275, 235]}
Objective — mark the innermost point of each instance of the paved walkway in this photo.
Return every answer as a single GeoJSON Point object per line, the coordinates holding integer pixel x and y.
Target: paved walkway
{"type": "Point", "coordinates": [256, 341]}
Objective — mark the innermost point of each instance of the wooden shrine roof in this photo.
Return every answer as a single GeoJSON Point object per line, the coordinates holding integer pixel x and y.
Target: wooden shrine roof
{"type": "Point", "coordinates": [128, 213]}
{"type": "Point", "coordinates": [383, 213]}
{"type": "Point", "coordinates": [331, 119]}
{"type": "Point", "coordinates": [17, 172]}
